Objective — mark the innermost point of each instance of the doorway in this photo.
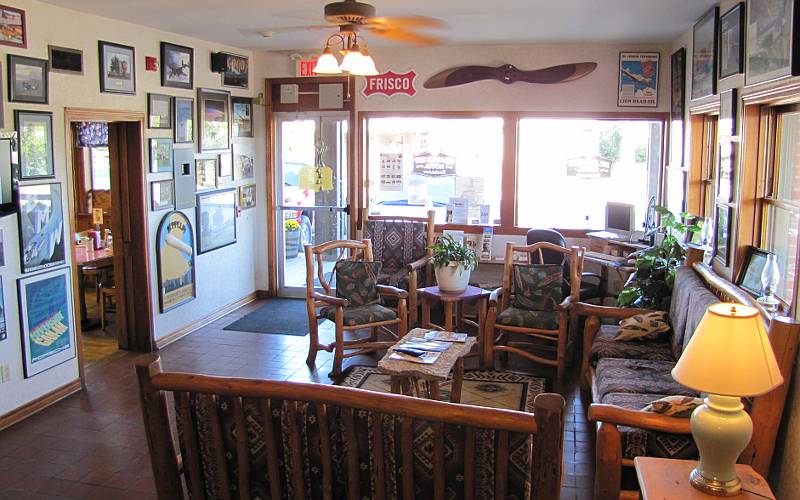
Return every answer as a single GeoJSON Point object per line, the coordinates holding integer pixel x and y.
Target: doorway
{"type": "Point", "coordinates": [311, 188]}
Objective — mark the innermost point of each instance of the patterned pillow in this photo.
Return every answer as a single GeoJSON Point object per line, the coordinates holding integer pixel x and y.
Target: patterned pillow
{"type": "Point", "coordinates": [674, 406]}
{"type": "Point", "coordinates": [647, 326]}
{"type": "Point", "coordinates": [356, 280]}
{"type": "Point", "coordinates": [537, 287]}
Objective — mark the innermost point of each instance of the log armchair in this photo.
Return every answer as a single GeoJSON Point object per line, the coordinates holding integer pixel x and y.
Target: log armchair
{"type": "Point", "coordinates": [530, 316]}
{"type": "Point", "coordinates": [402, 246]}
{"type": "Point", "coordinates": [353, 304]}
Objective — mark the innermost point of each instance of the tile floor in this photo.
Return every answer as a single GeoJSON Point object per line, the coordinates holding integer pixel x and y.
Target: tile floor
{"type": "Point", "coordinates": [92, 445]}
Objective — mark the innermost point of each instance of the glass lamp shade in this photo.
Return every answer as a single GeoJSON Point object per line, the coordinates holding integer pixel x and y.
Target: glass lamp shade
{"type": "Point", "coordinates": [365, 66]}
{"type": "Point", "coordinates": [351, 60]}
{"type": "Point", "coordinates": [729, 354]}
{"type": "Point", "coordinates": [327, 63]}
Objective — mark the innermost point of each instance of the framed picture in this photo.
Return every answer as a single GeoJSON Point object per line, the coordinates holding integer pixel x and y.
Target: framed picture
{"type": "Point", "coordinates": [677, 106]}
{"type": "Point", "coordinates": [3, 328]}
{"type": "Point", "coordinates": [2, 249]}
{"type": "Point", "coordinates": [41, 226]}
{"type": "Point", "coordinates": [243, 161]}
{"type": "Point", "coordinates": [216, 220]}
{"type": "Point", "coordinates": [772, 31]}
{"type": "Point", "coordinates": [226, 166]}
{"type": "Point", "coordinates": [160, 154]}
{"type": "Point", "coordinates": [64, 60]}
{"type": "Point", "coordinates": [247, 196]}
{"type": "Point", "coordinates": [159, 111]}
{"type": "Point", "coordinates": [728, 107]}
{"type": "Point", "coordinates": [242, 116]}
{"type": "Point", "coordinates": [48, 329]}
{"type": "Point", "coordinates": [731, 42]}
{"type": "Point", "coordinates": [727, 156]}
{"type": "Point", "coordinates": [162, 195]}
{"type": "Point", "coordinates": [638, 79]}
{"type": "Point", "coordinates": [213, 114]}
{"type": "Point", "coordinates": [175, 259]}
{"type": "Point", "coordinates": [14, 32]}
{"type": "Point", "coordinates": [723, 227]}
{"type": "Point", "coordinates": [117, 68]}
{"type": "Point", "coordinates": [704, 54]}
{"type": "Point", "coordinates": [27, 79]}
{"type": "Point", "coordinates": [750, 277]}
{"type": "Point", "coordinates": [184, 119]}
{"type": "Point", "coordinates": [177, 66]}
{"type": "Point", "coordinates": [237, 71]}
{"type": "Point", "coordinates": [206, 172]}
{"type": "Point", "coordinates": [35, 132]}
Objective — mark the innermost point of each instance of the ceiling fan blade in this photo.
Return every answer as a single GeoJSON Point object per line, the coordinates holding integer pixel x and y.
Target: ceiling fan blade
{"type": "Point", "coordinates": [461, 75]}
{"type": "Point", "coordinates": [403, 35]}
{"type": "Point", "coordinates": [509, 74]}
{"type": "Point", "coordinates": [557, 74]}
{"type": "Point", "coordinates": [269, 32]}
{"type": "Point", "coordinates": [407, 22]}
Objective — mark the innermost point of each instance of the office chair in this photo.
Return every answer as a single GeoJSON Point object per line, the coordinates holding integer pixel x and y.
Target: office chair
{"type": "Point", "coordinates": [590, 282]}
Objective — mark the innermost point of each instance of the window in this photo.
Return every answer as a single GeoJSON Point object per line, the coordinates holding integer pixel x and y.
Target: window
{"type": "Point", "coordinates": [568, 169]}
{"type": "Point", "coordinates": [101, 168]}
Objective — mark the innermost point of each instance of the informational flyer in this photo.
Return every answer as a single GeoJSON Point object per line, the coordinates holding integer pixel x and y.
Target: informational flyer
{"type": "Point", "coordinates": [391, 172]}
{"type": "Point", "coordinates": [486, 244]}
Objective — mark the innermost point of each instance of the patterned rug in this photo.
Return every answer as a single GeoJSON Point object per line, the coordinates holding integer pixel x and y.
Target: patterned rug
{"type": "Point", "coordinates": [508, 391]}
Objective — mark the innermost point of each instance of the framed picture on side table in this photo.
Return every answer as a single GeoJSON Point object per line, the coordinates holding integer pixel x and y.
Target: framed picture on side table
{"type": "Point", "coordinates": [704, 54]}
{"type": "Point", "coordinates": [772, 31]}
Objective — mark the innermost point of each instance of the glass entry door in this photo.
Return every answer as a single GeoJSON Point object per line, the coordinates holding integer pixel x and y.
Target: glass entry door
{"type": "Point", "coordinates": [311, 157]}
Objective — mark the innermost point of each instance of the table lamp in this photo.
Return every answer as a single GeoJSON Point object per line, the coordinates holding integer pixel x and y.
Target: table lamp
{"type": "Point", "coordinates": [729, 356]}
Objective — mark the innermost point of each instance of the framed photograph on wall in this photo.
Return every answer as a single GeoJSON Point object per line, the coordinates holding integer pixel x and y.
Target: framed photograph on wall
{"type": "Point", "coordinates": [177, 66]}
{"type": "Point", "coordinates": [27, 79]}
{"type": "Point", "coordinates": [64, 60]}
{"type": "Point", "coordinates": [772, 31]}
{"type": "Point", "coordinates": [638, 79]}
{"type": "Point", "coordinates": [722, 224]}
{"type": "Point", "coordinates": [184, 120]}
{"type": "Point", "coordinates": [41, 226]}
{"type": "Point", "coordinates": [35, 133]}
{"type": "Point", "coordinates": [243, 161]}
{"type": "Point", "coordinates": [728, 114]}
{"type": "Point", "coordinates": [3, 327]}
{"type": "Point", "coordinates": [677, 106]}
{"type": "Point", "coordinates": [160, 154]}
{"type": "Point", "coordinates": [159, 111]}
{"type": "Point", "coordinates": [213, 115]}
{"type": "Point", "coordinates": [162, 195]}
{"type": "Point", "coordinates": [750, 277]}
{"type": "Point", "coordinates": [242, 116]}
{"type": "Point", "coordinates": [704, 54]}
{"type": "Point", "coordinates": [14, 32]}
{"type": "Point", "coordinates": [237, 71]}
{"type": "Point", "coordinates": [175, 260]}
{"type": "Point", "coordinates": [247, 196]}
{"type": "Point", "coordinates": [206, 172]}
{"type": "Point", "coordinates": [216, 220]}
{"type": "Point", "coordinates": [117, 68]}
{"type": "Point", "coordinates": [225, 173]}
{"type": "Point", "coordinates": [48, 329]}
{"type": "Point", "coordinates": [731, 42]}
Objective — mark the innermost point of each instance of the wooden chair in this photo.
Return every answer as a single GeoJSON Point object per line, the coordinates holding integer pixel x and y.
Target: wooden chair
{"type": "Point", "coordinates": [547, 334]}
{"type": "Point", "coordinates": [108, 298]}
{"type": "Point", "coordinates": [403, 246]}
{"type": "Point", "coordinates": [342, 313]}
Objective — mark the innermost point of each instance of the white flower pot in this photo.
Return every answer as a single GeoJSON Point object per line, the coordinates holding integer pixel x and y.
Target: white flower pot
{"type": "Point", "coordinates": [452, 278]}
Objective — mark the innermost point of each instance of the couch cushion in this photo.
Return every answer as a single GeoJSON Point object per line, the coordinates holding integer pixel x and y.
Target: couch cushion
{"type": "Point", "coordinates": [686, 282]}
{"type": "Point", "coordinates": [698, 304]}
{"type": "Point", "coordinates": [638, 442]}
{"type": "Point", "coordinates": [604, 346]}
{"type": "Point", "coordinates": [643, 327]}
{"type": "Point", "coordinates": [638, 376]}
{"type": "Point", "coordinates": [544, 320]}
{"type": "Point", "coordinates": [359, 315]}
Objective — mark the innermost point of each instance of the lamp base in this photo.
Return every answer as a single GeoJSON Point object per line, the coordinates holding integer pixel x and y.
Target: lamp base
{"type": "Point", "coordinates": [714, 487]}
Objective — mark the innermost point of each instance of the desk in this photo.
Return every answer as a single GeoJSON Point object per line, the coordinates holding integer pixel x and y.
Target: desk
{"type": "Point", "coordinates": [608, 246]}
{"type": "Point", "coordinates": [99, 261]}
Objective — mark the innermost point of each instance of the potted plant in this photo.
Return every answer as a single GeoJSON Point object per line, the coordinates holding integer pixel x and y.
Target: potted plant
{"type": "Point", "coordinates": [650, 285]}
{"type": "Point", "coordinates": [291, 238]}
{"type": "Point", "coordinates": [453, 262]}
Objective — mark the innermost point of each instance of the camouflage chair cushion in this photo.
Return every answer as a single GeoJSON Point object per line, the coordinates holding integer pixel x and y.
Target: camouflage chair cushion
{"type": "Point", "coordinates": [394, 277]}
{"type": "Point", "coordinates": [543, 320]}
{"type": "Point", "coordinates": [359, 315]}
{"type": "Point", "coordinates": [639, 442]}
{"type": "Point", "coordinates": [537, 287]}
{"type": "Point", "coordinates": [604, 345]}
{"type": "Point", "coordinates": [638, 376]}
{"type": "Point", "coordinates": [397, 243]}
{"type": "Point", "coordinates": [356, 280]}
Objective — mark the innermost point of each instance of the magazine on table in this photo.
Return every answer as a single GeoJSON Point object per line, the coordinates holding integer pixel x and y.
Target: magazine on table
{"type": "Point", "coordinates": [426, 345]}
{"type": "Point", "coordinates": [427, 358]}
{"type": "Point", "coordinates": [445, 336]}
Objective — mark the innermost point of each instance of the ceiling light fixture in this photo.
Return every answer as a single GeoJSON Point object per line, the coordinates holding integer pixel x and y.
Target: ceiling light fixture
{"type": "Point", "coordinates": [356, 61]}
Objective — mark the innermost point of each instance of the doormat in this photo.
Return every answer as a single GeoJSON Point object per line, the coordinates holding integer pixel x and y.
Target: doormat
{"type": "Point", "coordinates": [276, 316]}
{"type": "Point", "coordinates": [504, 390]}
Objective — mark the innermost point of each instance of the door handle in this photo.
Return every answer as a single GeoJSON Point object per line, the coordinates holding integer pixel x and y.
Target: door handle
{"type": "Point", "coordinates": [347, 209]}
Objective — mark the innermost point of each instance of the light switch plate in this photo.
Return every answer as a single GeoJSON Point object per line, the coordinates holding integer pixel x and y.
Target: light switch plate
{"type": "Point", "coordinates": [5, 374]}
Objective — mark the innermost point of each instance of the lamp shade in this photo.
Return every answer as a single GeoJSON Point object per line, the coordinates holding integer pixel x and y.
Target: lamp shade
{"type": "Point", "coordinates": [365, 66]}
{"type": "Point", "coordinates": [352, 59]}
{"type": "Point", "coordinates": [327, 63]}
{"type": "Point", "coordinates": [729, 354]}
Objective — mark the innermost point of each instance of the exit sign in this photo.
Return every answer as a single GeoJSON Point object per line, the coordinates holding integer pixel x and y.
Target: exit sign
{"type": "Point", "coordinates": [304, 67]}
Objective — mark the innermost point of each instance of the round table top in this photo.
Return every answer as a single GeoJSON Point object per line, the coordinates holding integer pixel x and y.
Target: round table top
{"type": "Point", "coordinates": [471, 292]}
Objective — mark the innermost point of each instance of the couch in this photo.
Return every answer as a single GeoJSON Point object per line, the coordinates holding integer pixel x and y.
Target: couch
{"type": "Point", "coordinates": [620, 378]}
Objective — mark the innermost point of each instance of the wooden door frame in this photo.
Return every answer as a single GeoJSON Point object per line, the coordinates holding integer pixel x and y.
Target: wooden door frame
{"type": "Point", "coordinates": [130, 228]}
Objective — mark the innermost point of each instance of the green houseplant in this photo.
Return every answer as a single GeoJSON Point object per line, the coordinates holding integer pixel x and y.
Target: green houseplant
{"type": "Point", "coordinates": [650, 285]}
{"type": "Point", "coordinates": [453, 262]}
{"type": "Point", "coordinates": [291, 238]}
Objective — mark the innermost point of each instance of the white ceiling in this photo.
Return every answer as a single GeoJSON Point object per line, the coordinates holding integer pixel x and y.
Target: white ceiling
{"type": "Point", "coordinates": [238, 22]}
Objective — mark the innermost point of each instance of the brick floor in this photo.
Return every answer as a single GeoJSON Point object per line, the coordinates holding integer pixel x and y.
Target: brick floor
{"type": "Point", "coordinates": [92, 445]}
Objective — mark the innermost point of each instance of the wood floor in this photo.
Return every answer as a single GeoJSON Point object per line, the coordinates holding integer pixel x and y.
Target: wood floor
{"type": "Point", "coordinates": [92, 445]}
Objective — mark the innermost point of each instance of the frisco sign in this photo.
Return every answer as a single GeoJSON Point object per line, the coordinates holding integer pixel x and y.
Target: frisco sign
{"type": "Point", "coordinates": [390, 83]}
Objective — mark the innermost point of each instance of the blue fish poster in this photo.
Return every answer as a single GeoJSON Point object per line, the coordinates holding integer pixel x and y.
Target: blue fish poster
{"type": "Point", "coordinates": [48, 332]}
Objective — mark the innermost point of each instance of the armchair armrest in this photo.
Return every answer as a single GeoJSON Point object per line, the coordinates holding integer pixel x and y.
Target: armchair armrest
{"type": "Point", "coordinates": [418, 264]}
{"type": "Point", "coordinates": [591, 275]}
{"type": "Point", "coordinates": [586, 309]}
{"type": "Point", "coordinates": [495, 296]}
{"type": "Point", "coordinates": [566, 304]}
{"type": "Point", "coordinates": [640, 419]}
{"type": "Point", "coordinates": [334, 301]}
{"type": "Point", "coordinates": [391, 290]}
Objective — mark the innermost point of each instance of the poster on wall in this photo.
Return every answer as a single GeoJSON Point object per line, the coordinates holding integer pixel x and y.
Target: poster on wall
{"type": "Point", "coordinates": [772, 50]}
{"type": "Point", "coordinates": [14, 32]}
{"type": "Point", "coordinates": [3, 330]}
{"type": "Point", "coordinates": [41, 226]}
{"type": "Point", "coordinates": [216, 219]}
{"type": "Point", "coordinates": [48, 331]}
{"type": "Point", "coordinates": [638, 79]}
{"type": "Point", "coordinates": [243, 161]}
{"type": "Point", "coordinates": [213, 115]}
{"type": "Point", "coordinates": [391, 172]}
{"type": "Point", "coordinates": [175, 259]}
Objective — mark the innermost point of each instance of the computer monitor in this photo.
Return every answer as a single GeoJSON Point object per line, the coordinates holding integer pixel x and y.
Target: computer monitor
{"type": "Point", "coordinates": [620, 218]}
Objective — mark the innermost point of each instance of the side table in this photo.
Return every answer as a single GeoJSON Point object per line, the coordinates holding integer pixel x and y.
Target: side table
{"type": "Point", "coordinates": [665, 478]}
{"type": "Point", "coordinates": [454, 310]}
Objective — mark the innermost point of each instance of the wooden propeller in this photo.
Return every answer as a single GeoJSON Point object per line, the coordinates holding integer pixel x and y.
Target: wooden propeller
{"type": "Point", "coordinates": [508, 74]}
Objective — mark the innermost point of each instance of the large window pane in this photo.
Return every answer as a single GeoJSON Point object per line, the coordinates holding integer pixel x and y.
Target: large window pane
{"type": "Point", "coordinates": [418, 163]}
{"type": "Point", "coordinates": [781, 238]}
{"type": "Point", "coordinates": [788, 174]}
{"type": "Point", "coordinates": [570, 168]}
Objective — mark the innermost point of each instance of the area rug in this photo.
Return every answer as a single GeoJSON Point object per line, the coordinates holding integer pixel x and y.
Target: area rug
{"type": "Point", "coordinates": [508, 391]}
{"type": "Point", "coordinates": [277, 316]}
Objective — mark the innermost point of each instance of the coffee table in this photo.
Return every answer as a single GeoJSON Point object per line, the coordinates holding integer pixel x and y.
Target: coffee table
{"type": "Point", "coordinates": [454, 310]}
{"type": "Point", "coordinates": [406, 375]}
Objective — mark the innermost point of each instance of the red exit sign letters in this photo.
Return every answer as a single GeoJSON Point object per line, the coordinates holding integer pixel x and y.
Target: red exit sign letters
{"type": "Point", "coordinates": [390, 83]}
